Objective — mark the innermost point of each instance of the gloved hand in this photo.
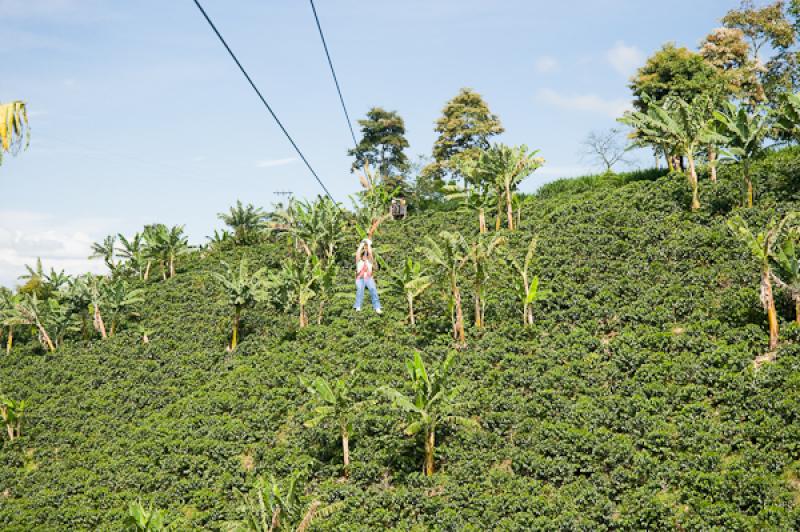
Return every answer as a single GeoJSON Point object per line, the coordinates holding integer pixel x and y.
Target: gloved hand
{"type": "Point", "coordinates": [368, 241]}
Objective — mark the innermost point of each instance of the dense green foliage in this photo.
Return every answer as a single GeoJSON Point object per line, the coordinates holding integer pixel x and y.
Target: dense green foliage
{"type": "Point", "coordinates": [631, 402]}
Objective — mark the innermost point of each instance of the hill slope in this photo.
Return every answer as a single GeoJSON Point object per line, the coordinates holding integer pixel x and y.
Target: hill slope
{"type": "Point", "coordinates": [631, 403]}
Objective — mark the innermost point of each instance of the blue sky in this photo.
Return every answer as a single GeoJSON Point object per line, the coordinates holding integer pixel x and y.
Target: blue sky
{"type": "Point", "coordinates": [138, 115]}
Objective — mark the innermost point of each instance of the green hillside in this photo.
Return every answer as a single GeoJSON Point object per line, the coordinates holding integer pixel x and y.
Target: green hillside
{"type": "Point", "coordinates": [631, 403]}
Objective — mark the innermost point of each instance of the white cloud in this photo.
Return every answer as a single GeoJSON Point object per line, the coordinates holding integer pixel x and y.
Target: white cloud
{"type": "Point", "coordinates": [585, 102]}
{"type": "Point", "coordinates": [61, 244]}
{"type": "Point", "coordinates": [625, 59]}
{"type": "Point", "coordinates": [269, 163]}
{"type": "Point", "coordinates": [546, 64]}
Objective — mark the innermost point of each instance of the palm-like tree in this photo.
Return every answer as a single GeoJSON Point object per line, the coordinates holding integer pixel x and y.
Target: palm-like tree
{"type": "Point", "coordinates": [13, 127]}
{"type": "Point", "coordinates": [141, 519]}
{"type": "Point", "coordinates": [448, 259]}
{"type": "Point", "coordinates": [105, 250]}
{"type": "Point", "coordinates": [272, 506]}
{"type": "Point", "coordinates": [786, 269]}
{"type": "Point", "coordinates": [507, 166]}
{"type": "Point", "coordinates": [683, 126]}
{"type": "Point", "coordinates": [12, 412]}
{"type": "Point", "coordinates": [133, 252]}
{"type": "Point", "coordinates": [243, 289]}
{"type": "Point", "coordinates": [77, 299]}
{"type": "Point", "coordinates": [481, 253]}
{"type": "Point", "coordinates": [318, 226]}
{"type": "Point", "coordinates": [527, 284]}
{"type": "Point", "coordinates": [481, 196]}
{"type": "Point", "coordinates": [29, 312]}
{"type": "Point", "coordinates": [246, 221]}
{"type": "Point", "coordinates": [94, 291]}
{"type": "Point", "coordinates": [118, 298]}
{"type": "Point", "coordinates": [164, 245]}
{"type": "Point", "coordinates": [744, 134]}
{"type": "Point", "coordinates": [411, 281]}
{"type": "Point", "coordinates": [432, 403]}
{"type": "Point", "coordinates": [335, 403]}
{"type": "Point", "coordinates": [299, 277]}
{"type": "Point", "coordinates": [9, 317]}
{"type": "Point", "coordinates": [788, 116]}
{"type": "Point", "coordinates": [761, 246]}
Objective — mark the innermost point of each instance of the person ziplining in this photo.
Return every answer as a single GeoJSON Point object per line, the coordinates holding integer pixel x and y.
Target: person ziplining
{"type": "Point", "coordinates": [365, 261]}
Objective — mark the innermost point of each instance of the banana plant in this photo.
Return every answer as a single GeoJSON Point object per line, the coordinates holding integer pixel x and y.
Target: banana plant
{"type": "Point", "coordinates": [685, 127]}
{"type": "Point", "coordinates": [411, 281]}
{"type": "Point", "coordinates": [12, 412]}
{"type": "Point", "coordinates": [527, 286]}
{"type": "Point", "coordinates": [448, 256]}
{"type": "Point", "coordinates": [95, 290]}
{"type": "Point", "coordinates": [762, 245]}
{"type": "Point", "coordinates": [334, 402]}
{"type": "Point", "coordinates": [9, 316]}
{"type": "Point", "coordinates": [141, 519]}
{"type": "Point", "coordinates": [30, 312]}
{"type": "Point", "coordinates": [272, 506]}
{"type": "Point", "coordinates": [786, 269]}
{"type": "Point", "coordinates": [744, 133]}
{"type": "Point", "coordinates": [298, 278]}
{"type": "Point", "coordinates": [481, 254]}
{"type": "Point", "coordinates": [431, 404]}
{"type": "Point", "coordinates": [508, 166]}
{"type": "Point", "coordinates": [13, 127]}
{"type": "Point", "coordinates": [118, 299]}
{"type": "Point", "coordinates": [245, 221]}
{"type": "Point", "coordinates": [105, 250]}
{"type": "Point", "coordinates": [242, 289]}
{"type": "Point", "coordinates": [133, 252]}
{"type": "Point", "coordinates": [788, 116]}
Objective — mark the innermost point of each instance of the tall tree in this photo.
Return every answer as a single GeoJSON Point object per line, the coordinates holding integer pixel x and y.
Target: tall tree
{"type": "Point", "coordinates": [465, 128]}
{"type": "Point", "coordinates": [383, 139]}
{"type": "Point", "coordinates": [605, 148]}
{"type": "Point", "coordinates": [673, 72]}
{"type": "Point", "coordinates": [14, 130]}
{"type": "Point", "coordinates": [105, 250]}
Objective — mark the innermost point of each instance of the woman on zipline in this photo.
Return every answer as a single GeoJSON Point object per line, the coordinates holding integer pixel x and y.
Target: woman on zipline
{"type": "Point", "coordinates": [365, 261]}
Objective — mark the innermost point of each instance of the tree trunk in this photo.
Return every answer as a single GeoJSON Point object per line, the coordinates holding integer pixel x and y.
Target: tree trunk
{"type": "Point", "coordinates": [749, 184]}
{"type": "Point", "coordinates": [10, 341]}
{"type": "Point", "coordinates": [478, 317]}
{"type": "Point", "coordinates": [429, 446]}
{"type": "Point", "coordinates": [147, 269]}
{"type": "Point", "coordinates": [98, 322]}
{"type": "Point", "coordinates": [459, 324]}
{"type": "Point", "coordinates": [346, 451]}
{"type": "Point", "coordinates": [509, 208]}
{"type": "Point", "coordinates": [303, 318]}
{"type": "Point", "coordinates": [113, 327]}
{"type": "Point", "coordinates": [46, 338]}
{"type": "Point", "coordinates": [499, 210]}
{"type": "Point", "coordinates": [319, 311]}
{"type": "Point", "coordinates": [772, 314]}
{"type": "Point", "coordinates": [482, 220]}
{"type": "Point", "coordinates": [797, 311]}
{"type": "Point", "coordinates": [172, 266]}
{"type": "Point", "coordinates": [668, 157]}
{"type": "Point", "coordinates": [712, 157]}
{"type": "Point", "coordinates": [411, 318]}
{"type": "Point", "coordinates": [235, 335]}
{"type": "Point", "coordinates": [693, 183]}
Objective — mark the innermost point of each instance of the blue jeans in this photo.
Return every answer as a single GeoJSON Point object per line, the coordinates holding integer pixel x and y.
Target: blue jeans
{"type": "Point", "coordinates": [369, 282]}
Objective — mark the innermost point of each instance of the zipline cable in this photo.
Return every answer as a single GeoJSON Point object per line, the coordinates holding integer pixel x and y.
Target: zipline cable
{"type": "Point", "coordinates": [263, 100]}
{"type": "Point", "coordinates": [333, 72]}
